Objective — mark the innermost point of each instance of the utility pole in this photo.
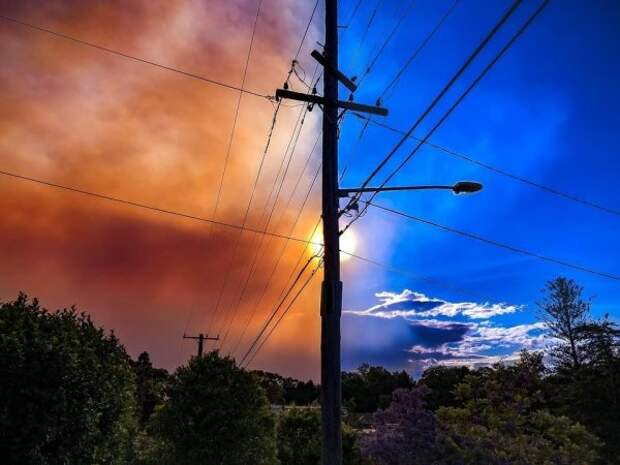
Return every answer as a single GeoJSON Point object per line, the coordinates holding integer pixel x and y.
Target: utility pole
{"type": "Point", "coordinates": [331, 290]}
{"type": "Point", "coordinates": [201, 340]}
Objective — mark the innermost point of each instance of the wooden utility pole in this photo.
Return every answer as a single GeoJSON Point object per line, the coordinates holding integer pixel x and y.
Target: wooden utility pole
{"type": "Point", "coordinates": [201, 340]}
{"type": "Point", "coordinates": [331, 290]}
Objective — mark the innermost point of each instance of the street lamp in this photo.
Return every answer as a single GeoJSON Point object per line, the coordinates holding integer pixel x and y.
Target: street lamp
{"type": "Point", "coordinates": [461, 187]}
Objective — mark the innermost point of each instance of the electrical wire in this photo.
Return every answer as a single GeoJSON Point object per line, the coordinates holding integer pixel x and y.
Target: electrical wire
{"type": "Point", "coordinates": [494, 169]}
{"type": "Point", "coordinates": [444, 90]}
{"type": "Point", "coordinates": [282, 249]}
{"type": "Point", "coordinates": [153, 208]}
{"type": "Point", "coordinates": [401, 18]}
{"type": "Point", "coordinates": [418, 50]}
{"type": "Point", "coordinates": [137, 59]}
{"type": "Point", "coordinates": [231, 137]}
{"type": "Point", "coordinates": [495, 243]}
{"type": "Point", "coordinates": [283, 314]}
{"type": "Point", "coordinates": [458, 101]}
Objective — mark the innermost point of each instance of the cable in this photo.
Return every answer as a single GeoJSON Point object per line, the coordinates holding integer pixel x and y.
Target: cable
{"type": "Point", "coordinates": [445, 89]}
{"type": "Point", "coordinates": [494, 169]}
{"type": "Point", "coordinates": [417, 51]}
{"type": "Point", "coordinates": [303, 38]}
{"type": "Point", "coordinates": [428, 279]}
{"type": "Point", "coordinates": [154, 208]}
{"type": "Point", "coordinates": [292, 145]}
{"type": "Point", "coordinates": [299, 292]}
{"type": "Point", "coordinates": [496, 243]}
{"type": "Point", "coordinates": [355, 9]}
{"type": "Point", "coordinates": [130, 57]}
{"type": "Point", "coordinates": [401, 18]}
{"type": "Point", "coordinates": [487, 68]}
{"type": "Point", "coordinates": [218, 196]}
{"type": "Point", "coordinates": [282, 249]}
{"type": "Point", "coordinates": [249, 204]}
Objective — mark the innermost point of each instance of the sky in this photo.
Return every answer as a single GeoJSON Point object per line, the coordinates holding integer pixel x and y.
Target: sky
{"type": "Point", "coordinates": [81, 117]}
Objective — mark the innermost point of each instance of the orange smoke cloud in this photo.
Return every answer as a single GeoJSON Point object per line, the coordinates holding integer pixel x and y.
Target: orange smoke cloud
{"type": "Point", "coordinates": [88, 119]}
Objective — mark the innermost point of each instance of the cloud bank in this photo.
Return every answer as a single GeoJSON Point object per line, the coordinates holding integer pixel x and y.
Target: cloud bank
{"type": "Point", "coordinates": [409, 330]}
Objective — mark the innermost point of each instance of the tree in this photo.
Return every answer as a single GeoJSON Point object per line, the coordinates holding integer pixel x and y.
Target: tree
{"type": "Point", "coordinates": [150, 386]}
{"type": "Point", "coordinates": [590, 394]}
{"type": "Point", "coordinates": [66, 389]}
{"type": "Point", "coordinates": [503, 420]}
{"type": "Point", "coordinates": [370, 388]}
{"type": "Point", "coordinates": [441, 382]}
{"type": "Point", "coordinates": [299, 439]}
{"type": "Point", "coordinates": [215, 413]}
{"type": "Point", "coordinates": [563, 311]}
{"type": "Point", "coordinates": [406, 433]}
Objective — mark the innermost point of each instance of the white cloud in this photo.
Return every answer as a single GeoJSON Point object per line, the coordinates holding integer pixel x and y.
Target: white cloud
{"type": "Point", "coordinates": [408, 304]}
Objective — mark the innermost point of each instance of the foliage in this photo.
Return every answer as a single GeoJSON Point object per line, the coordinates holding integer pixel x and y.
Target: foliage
{"type": "Point", "coordinates": [590, 393]}
{"type": "Point", "coordinates": [370, 388]}
{"type": "Point", "coordinates": [66, 389]}
{"type": "Point", "coordinates": [289, 391]}
{"type": "Point", "coordinates": [215, 413]}
{"type": "Point", "coordinates": [441, 382]}
{"type": "Point", "coordinates": [150, 386]}
{"type": "Point", "coordinates": [406, 433]}
{"type": "Point", "coordinates": [299, 439]}
{"type": "Point", "coordinates": [503, 421]}
{"type": "Point", "coordinates": [563, 311]}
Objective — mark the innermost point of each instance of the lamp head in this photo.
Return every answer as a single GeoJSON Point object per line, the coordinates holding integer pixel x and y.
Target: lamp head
{"type": "Point", "coordinates": [466, 187]}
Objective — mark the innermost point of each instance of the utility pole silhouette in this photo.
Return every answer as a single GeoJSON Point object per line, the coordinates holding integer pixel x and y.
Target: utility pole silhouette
{"type": "Point", "coordinates": [331, 290]}
{"type": "Point", "coordinates": [201, 338]}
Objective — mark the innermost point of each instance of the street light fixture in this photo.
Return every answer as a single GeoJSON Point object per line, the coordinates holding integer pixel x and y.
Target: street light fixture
{"type": "Point", "coordinates": [461, 187]}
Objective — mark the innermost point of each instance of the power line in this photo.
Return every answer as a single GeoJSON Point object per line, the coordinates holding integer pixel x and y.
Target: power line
{"type": "Point", "coordinates": [286, 310]}
{"type": "Point", "coordinates": [458, 101]}
{"type": "Point", "coordinates": [445, 89]}
{"type": "Point", "coordinates": [419, 49]}
{"type": "Point", "coordinates": [496, 243]}
{"type": "Point", "coordinates": [430, 280]}
{"type": "Point", "coordinates": [282, 249]}
{"type": "Point", "coordinates": [154, 208]}
{"type": "Point", "coordinates": [494, 169]}
{"type": "Point", "coordinates": [218, 195]}
{"type": "Point", "coordinates": [137, 59]}
{"type": "Point", "coordinates": [401, 18]}
{"type": "Point", "coordinates": [355, 9]}
{"type": "Point", "coordinates": [292, 145]}
{"type": "Point", "coordinates": [303, 38]}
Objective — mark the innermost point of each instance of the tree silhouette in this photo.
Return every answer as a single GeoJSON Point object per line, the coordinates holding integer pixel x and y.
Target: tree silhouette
{"type": "Point", "coordinates": [66, 389]}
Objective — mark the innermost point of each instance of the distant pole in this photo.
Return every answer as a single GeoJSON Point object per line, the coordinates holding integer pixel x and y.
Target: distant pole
{"type": "Point", "coordinates": [331, 291]}
{"type": "Point", "coordinates": [201, 338]}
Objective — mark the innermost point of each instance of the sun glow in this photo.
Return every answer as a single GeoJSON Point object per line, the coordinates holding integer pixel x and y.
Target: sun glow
{"type": "Point", "coordinates": [348, 243]}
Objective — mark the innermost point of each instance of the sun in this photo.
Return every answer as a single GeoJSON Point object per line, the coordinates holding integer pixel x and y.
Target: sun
{"type": "Point", "coordinates": [348, 243]}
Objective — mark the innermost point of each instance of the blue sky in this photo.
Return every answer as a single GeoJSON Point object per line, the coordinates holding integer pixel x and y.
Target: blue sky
{"type": "Point", "coordinates": [546, 112]}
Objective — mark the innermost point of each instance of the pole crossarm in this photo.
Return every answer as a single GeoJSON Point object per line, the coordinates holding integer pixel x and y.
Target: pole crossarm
{"type": "Point", "coordinates": [201, 338]}
{"type": "Point", "coordinates": [348, 83]}
{"type": "Point", "coordinates": [375, 110]}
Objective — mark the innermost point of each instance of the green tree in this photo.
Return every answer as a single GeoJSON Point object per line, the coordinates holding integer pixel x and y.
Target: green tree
{"type": "Point", "coordinates": [66, 389]}
{"type": "Point", "coordinates": [216, 413]}
{"type": "Point", "coordinates": [590, 394]}
{"type": "Point", "coordinates": [299, 439]}
{"type": "Point", "coordinates": [504, 421]}
{"type": "Point", "coordinates": [441, 382]}
{"type": "Point", "coordinates": [370, 388]}
{"type": "Point", "coordinates": [564, 311]}
{"type": "Point", "coordinates": [150, 386]}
